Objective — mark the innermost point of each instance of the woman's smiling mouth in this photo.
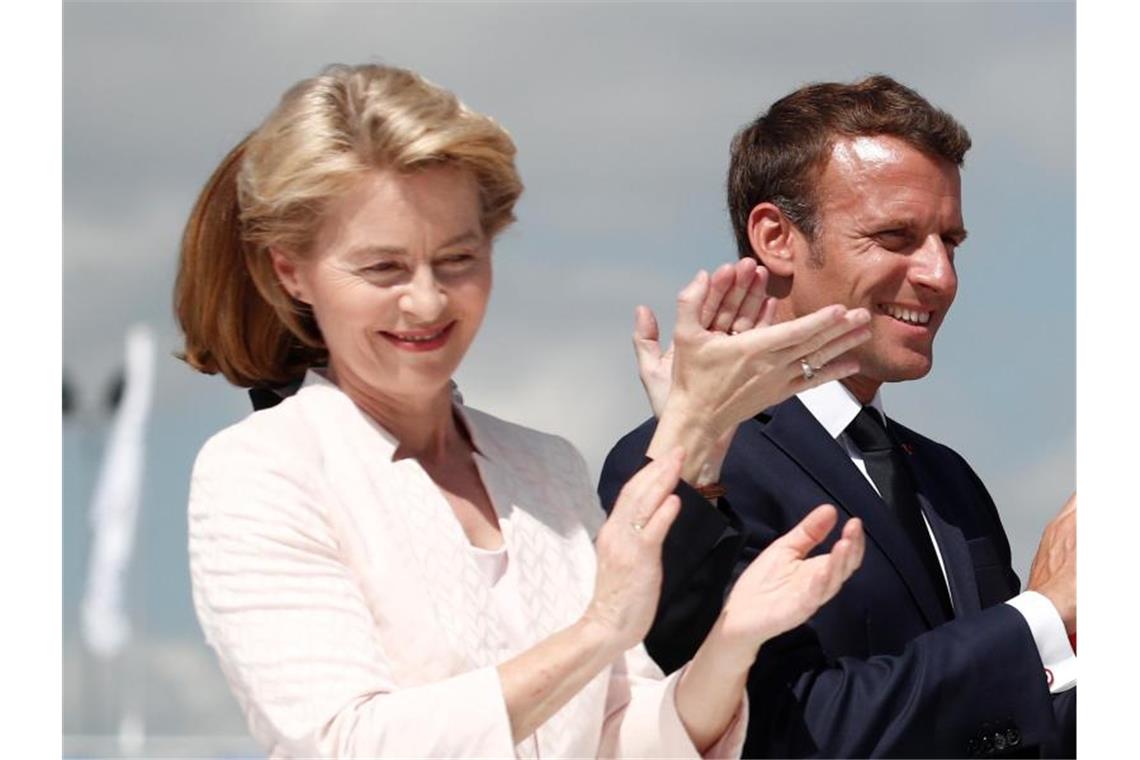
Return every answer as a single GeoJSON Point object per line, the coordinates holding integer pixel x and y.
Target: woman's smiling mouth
{"type": "Point", "coordinates": [420, 340]}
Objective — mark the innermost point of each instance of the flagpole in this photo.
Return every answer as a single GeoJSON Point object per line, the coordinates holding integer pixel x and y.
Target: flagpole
{"type": "Point", "coordinates": [105, 620]}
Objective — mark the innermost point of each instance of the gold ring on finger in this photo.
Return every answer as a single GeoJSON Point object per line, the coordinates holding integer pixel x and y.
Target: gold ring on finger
{"type": "Point", "coordinates": [637, 527]}
{"type": "Point", "coordinates": [808, 370]}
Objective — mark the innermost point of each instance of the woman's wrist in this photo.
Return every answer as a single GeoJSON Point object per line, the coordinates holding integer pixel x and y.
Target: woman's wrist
{"type": "Point", "coordinates": [711, 688]}
{"type": "Point", "coordinates": [729, 653]}
{"type": "Point", "coordinates": [541, 680]}
{"type": "Point", "coordinates": [601, 640]}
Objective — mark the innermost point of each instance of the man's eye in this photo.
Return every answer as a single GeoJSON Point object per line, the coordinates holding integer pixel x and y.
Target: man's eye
{"type": "Point", "coordinates": [893, 239]}
{"type": "Point", "coordinates": [382, 267]}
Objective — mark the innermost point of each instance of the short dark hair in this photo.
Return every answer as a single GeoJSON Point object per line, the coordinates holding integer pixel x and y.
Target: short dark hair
{"type": "Point", "coordinates": [778, 157]}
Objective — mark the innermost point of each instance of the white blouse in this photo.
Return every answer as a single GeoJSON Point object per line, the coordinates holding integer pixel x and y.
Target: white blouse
{"type": "Point", "coordinates": [352, 617]}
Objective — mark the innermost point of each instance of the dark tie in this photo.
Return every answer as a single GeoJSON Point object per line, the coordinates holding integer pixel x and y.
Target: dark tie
{"type": "Point", "coordinates": [887, 467]}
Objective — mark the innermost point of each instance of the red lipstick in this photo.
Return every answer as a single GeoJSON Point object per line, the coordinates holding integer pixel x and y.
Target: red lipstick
{"type": "Point", "coordinates": [417, 341]}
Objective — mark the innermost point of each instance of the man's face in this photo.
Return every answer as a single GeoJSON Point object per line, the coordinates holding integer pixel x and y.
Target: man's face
{"type": "Point", "coordinates": [889, 218]}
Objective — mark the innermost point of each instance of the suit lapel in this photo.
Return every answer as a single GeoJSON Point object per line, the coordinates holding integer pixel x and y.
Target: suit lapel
{"type": "Point", "coordinates": [951, 543]}
{"type": "Point", "coordinates": [794, 430]}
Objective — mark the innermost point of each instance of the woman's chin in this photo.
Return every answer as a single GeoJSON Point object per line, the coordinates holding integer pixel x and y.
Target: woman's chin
{"type": "Point", "coordinates": [416, 382]}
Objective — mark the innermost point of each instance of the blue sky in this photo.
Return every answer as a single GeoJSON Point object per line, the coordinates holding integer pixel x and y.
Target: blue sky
{"type": "Point", "coordinates": [622, 115]}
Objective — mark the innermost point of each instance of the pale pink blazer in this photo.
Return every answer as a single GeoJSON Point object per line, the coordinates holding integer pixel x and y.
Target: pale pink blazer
{"type": "Point", "coordinates": [350, 619]}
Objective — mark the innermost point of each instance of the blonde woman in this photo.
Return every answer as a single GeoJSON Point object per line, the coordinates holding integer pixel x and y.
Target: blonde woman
{"type": "Point", "coordinates": [385, 571]}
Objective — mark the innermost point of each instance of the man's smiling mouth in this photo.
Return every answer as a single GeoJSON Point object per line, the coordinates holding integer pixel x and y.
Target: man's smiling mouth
{"type": "Point", "coordinates": [904, 314]}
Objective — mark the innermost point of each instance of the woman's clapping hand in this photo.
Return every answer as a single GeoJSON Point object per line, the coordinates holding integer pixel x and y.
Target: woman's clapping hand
{"type": "Point", "coordinates": [783, 587]}
{"type": "Point", "coordinates": [628, 582]}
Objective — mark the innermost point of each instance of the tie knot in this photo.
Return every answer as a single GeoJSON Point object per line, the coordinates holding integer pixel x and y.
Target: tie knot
{"type": "Point", "coordinates": [868, 432]}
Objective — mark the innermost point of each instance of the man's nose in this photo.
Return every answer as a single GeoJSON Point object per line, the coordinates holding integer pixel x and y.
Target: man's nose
{"type": "Point", "coordinates": [423, 298]}
{"type": "Point", "coordinates": [932, 267]}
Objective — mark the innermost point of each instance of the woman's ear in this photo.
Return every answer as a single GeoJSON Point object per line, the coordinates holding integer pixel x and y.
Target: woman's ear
{"type": "Point", "coordinates": [285, 267]}
{"type": "Point", "coordinates": [772, 237]}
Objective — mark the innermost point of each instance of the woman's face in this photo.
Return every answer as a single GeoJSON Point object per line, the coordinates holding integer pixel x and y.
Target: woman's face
{"type": "Point", "coordinates": [398, 279]}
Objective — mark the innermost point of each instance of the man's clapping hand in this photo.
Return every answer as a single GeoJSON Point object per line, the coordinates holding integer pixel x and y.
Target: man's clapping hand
{"type": "Point", "coordinates": [1054, 570]}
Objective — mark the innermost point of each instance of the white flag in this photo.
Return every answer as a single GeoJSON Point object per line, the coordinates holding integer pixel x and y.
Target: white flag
{"type": "Point", "coordinates": [115, 504]}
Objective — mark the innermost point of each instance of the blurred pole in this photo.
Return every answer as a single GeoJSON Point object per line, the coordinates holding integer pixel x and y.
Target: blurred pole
{"type": "Point", "coordinates": [104, 617]}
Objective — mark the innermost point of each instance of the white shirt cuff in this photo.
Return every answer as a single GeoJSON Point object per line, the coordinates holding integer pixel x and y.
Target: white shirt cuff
{"type": "Point", "coordinates": [1049, 635]}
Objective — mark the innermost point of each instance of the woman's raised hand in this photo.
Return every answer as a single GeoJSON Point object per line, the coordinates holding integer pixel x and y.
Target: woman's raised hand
{"type": "Point", "coordinates": [628, 582]}
{"type": "Point", "coordinates": [783, 587]}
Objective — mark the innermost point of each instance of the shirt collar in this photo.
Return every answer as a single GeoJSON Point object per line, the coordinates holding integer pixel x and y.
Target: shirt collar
{"type": "Point", "coordinates": [318, 377]}
{"type": "Point", "coordinates": [834, 406]}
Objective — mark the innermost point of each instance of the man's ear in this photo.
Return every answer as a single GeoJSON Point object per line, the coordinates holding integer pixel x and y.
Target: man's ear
{"type": "Point", "coordinates": [772, 237]}
{"type": "Point", "coordinates": [285, 267]}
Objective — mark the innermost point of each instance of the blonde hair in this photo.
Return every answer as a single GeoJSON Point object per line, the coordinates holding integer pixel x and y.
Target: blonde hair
{"type": "Point", "coordinates": [272, 189]}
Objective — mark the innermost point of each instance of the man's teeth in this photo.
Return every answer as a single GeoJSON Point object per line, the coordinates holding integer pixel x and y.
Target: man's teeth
{"type": "Point", "coordinates": [907, 315]}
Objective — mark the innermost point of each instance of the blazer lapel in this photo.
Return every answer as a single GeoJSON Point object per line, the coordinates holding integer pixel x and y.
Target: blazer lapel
{"type": "Point", "coordinates": [549, 552]}
{"type": "Point", "coordinates": [951, 543]}
{"type": "Point", "coordinates": [534, 521]}
{"type": "Point", "coordinates": [793, 429]}
{"type": "Point", "coordinates": [414, 538]}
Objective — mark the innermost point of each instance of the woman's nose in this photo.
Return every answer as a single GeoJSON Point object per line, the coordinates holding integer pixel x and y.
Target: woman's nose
{"type": "Point", "coordinates": [424, 298]}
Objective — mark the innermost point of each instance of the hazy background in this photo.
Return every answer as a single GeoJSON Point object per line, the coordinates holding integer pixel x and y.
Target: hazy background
{"type": "Point", "coordinates": [622, 115]}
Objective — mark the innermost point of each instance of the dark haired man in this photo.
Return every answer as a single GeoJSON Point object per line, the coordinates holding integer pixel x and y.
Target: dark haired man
{"type": "Point", "coordinates": [851, 194]}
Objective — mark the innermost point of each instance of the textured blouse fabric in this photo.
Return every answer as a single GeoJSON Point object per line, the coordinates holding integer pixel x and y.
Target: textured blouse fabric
{"type": "Point", "coordinates": [351, 617]}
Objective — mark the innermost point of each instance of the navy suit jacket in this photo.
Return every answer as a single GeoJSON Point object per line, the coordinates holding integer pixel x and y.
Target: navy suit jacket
{"type": "Point", "coordinates": [878, 671]}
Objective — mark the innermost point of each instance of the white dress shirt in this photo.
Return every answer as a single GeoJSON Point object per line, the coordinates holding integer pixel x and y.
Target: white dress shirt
{"type": "Point", "coordinates": [835, 408]}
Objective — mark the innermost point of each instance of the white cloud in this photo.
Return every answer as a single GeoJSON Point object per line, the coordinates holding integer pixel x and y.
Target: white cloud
{"type": "Point", "coordinates": [1028, 497]}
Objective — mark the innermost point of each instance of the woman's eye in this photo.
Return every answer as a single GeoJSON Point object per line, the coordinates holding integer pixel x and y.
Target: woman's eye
{"type": "Point", "coordinates": [456, 259]}
{"type": "Point", "coordinates": [382, 267]}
